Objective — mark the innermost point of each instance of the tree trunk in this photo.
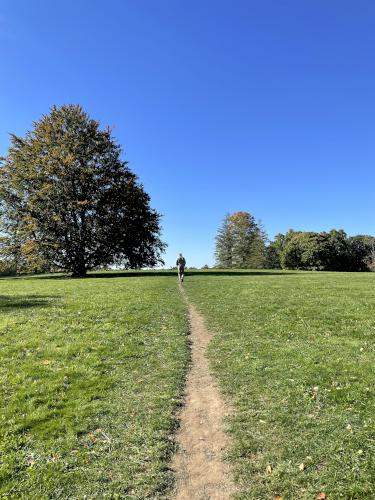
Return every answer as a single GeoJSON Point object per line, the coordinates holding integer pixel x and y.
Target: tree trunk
{"type": "Point", "coordinates": [79, 272]}
{"type": "Point", "coordinates": [78, 268]}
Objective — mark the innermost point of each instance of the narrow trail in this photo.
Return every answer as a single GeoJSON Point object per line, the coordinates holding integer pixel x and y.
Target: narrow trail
{"type": "Point", "coordinates": [200, 471]}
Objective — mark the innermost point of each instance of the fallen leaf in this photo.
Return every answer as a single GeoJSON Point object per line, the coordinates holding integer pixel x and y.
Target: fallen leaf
{"type": "Point", "coordinates": [278, 497]}
{"type": "Point", "coordinates": [301, 466]}
{"type": "Point", "coordinates": [321, 496]}
{"type": "Point", "coordinates": [269, 469]}
{"type": "Point", "coordinates": [92, 437]}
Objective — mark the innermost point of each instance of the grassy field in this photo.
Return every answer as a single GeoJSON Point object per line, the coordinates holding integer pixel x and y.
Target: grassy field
{"type": "Point", "coordinates": [91, 372]}
{"type": "Point", "coordinates": [295, 351]}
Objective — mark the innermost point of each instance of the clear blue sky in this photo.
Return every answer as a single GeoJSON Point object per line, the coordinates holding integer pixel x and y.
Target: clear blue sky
{"type": "Point", "coordinates": [263, 106]}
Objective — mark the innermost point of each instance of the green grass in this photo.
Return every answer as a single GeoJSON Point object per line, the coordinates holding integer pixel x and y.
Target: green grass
{"type": "Point", "coordinates": [91, 373]}
{"type": "Point", "coordinates": [295, 351]}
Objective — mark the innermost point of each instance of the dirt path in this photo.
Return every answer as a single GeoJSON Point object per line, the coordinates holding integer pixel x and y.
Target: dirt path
{"type": "Point", "coordinates": [198, 463]}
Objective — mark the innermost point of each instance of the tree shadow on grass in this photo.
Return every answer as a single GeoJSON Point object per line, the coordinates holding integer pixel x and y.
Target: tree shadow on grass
{"type": "Point", "coordinates": [9, 303]}
{"type": "Point", "coordinates": [160, 273]}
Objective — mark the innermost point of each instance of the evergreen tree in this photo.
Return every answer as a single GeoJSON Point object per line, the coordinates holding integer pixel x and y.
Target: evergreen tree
{"type": "Point", "coordinates": [224, 244]}
{"type": "Point", "coordinates": [240, 242]}
{"type": "Point", "coordinates": [70, 201]}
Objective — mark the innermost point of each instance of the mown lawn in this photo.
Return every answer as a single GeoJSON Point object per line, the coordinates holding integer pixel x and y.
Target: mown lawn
{"type": "Point", "coordinates": [91, 372]}
{"type": "Point", "coordinates": [295, 351]}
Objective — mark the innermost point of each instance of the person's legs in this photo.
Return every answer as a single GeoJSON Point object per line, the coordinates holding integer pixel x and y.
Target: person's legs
{"type": "Point", "coordinates": [181, 272]}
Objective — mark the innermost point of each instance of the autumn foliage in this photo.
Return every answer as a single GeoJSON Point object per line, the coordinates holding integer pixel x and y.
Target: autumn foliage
{"type": "Point", "coordinates": [70, 202]}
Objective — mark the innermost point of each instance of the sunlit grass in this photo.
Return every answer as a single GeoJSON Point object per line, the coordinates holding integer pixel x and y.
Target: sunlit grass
{"type": "Point", "coordinates": [295, 351]}
{"type": "Point", "coordinates": [91, 372]}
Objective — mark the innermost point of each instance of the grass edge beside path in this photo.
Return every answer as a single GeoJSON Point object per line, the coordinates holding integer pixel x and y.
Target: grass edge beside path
{"type": "Point", "coordinates": [92, 374]}
{"type": "Point", "coordinates": [296, 354]}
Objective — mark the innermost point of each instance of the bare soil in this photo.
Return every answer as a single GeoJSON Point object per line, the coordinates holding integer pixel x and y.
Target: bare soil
{"type": "Point", "coordinates": [200, 469]}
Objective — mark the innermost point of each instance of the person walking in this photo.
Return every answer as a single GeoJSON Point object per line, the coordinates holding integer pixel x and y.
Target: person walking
{"type": "Point", "coordinates": [181, 263]}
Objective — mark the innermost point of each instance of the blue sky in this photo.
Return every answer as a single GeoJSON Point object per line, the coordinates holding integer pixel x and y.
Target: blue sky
{"type": "Point", "coordinates": [264, 106]}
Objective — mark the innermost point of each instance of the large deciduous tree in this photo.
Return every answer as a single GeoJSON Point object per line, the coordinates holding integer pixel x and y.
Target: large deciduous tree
{"type": "Point", "coordinates": [240, 242]}
{"type": "Point", "coordinates": [69, 200]}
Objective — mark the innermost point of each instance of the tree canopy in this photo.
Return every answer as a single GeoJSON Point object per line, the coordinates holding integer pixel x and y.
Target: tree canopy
{"type": "Point", "coordinates": [322, 251]}
{"type": "Point", "coordinates": [240, 242]}
{"type": "Point", "coordinates": [69, 201]}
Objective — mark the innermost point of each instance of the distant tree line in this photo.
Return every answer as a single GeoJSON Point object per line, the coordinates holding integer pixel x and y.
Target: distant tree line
{"type": "Point", "coordinates": [321, 251]}
{"type": "Point", "coordinates": [241, 242]}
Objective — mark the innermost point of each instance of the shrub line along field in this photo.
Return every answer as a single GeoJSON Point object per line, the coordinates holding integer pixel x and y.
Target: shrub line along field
{"type": "Point", "coordinates": [92, 374]}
